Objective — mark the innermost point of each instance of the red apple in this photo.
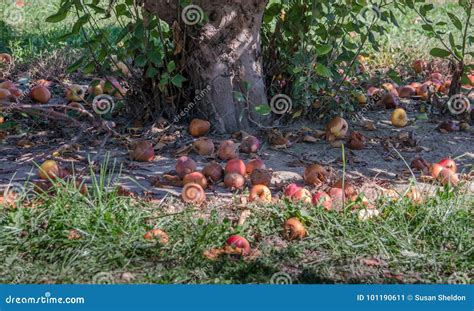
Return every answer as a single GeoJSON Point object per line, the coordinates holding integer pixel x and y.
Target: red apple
{"type": "Point", "coordinates": [240, 243]}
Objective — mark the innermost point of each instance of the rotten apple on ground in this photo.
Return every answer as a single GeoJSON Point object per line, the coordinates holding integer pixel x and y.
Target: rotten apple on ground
{"type": "Point", "coordinates": [234, 181]}
{"type": "Point", "coordinates": [261, 177]}
{"type": "Point", "coordinates": [315, 174]}
{"type": "Point", "coordinates": [197, 178]}
{"type": "Point", "coordinates": [198, 127]}
{"type": "Point", "coordinates": [293, 229]}
{"type": "Point", "coordinates": [157, 234]}
{"type": "Point", "coordinates": [142, 151]}
{"type": "Point", "coordinates": [336, 129]}
{"type": "Point", "coordinates": [406, 91]}
{"type": "Point", "coordinates": [6, 58]}
{"type": "Point", "coordinates": [235, 166]}
{"type": "Point", "coordinates": [302, 195]}
{"type": "Point", "coordinates": [250, 144]}
{"type": "Point", "coordinates": [40, 94]}
{"type": "Point", "coordinates": [213, 171]}
{"type": "Point", "coordinates": [184, 166]}
{"type": "Point", "coordinates": [253, 165]}
{"type": "Point", "coordinates": [449, 164]}
{"type": "Point", "coordinates": [75, 93]}
{"type": "Point", "coordinates": [5, 94]}
{"type": "Point", "coordinates": [10, 87]}
{"type": "Point", "coordinates": [260, 193]}
{"type": "Point", "coordinates": [113, 87]}
{"type": "Point", "coordinates": [96, 87]}
{"type": "Point", "coordinates": [227, 150]}
{"type": "Point", "coordinates": [50, 169]}
{"type": "Point", "coordinates": [357, 141]}
{"type": "Point", "coordinates": [349, 188]}
{"type": "Point", "coordinates": [399, 118]}
{"type": "Point", "coordinates": [390, 101]}
{"type": "Point", "coordinates": [204, 146]}
{"type": "Point", "coordinates": [362, 100]}
{"type": "Point", "coordinates": [290, 190]}
{"type": "Point", "coordinates": [240, 243]}
{"type": "Point", "coordinates": [323, 199]}
{"type": "Point", "coordinates": [338, 197]}
{"type": "Point", "coordinates": [418, 65]}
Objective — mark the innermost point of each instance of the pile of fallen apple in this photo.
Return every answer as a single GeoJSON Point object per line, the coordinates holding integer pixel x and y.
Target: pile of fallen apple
{"type": "Point", "coordinates": [234, 174]}
{"type": "Point", "coordinates": [75, 94]}
{"type": "Point", "coordinates": [230, 171]}
{"type": "Point", "coordinates": [389, 95]}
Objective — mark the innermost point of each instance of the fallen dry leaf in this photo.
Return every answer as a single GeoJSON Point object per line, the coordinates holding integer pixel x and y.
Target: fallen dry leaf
{"type": "Point", "coordinates": [74, 235]}
{"type": "Point", "coordinates": [373, 262]}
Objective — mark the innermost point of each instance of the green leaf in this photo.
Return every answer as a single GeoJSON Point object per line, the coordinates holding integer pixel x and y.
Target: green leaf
{"type": "Point", "coordinates": [97, 9]}
{"type": "Point", "coordinates": [89, 68]}
{"type": "Point", "coordinates": [79, 23]}
{"type": "Point", "coordinates": [455, 20]}
{"type": "Point", "coordinates": [394, 76]}
{"type": "Point", "coordinates": [178, 80]}
{"type": "Point", "coordinates": [427, 27]}
{"type": "Point", "coordinates": [58, 17]}
{"type": "Point", "coordinates": [263, 109]}
{"type": "Point", "coordinates": [323, 71]}
{"type": "Point", "coordinates": [437, 52]}
{"type": "Point", "coordinates": [171, 66]}
{"type": "Point", "coordinates": [425, 9]}
{"type": "Point", "coordinates": [141, 60]}
{"type": "Point", "coordinates": [238, 96]}
{"type": "Point", "coordinates": [323, 49]}
{"type": "Point", "coordinates": [76, 65]}
{"type": "Point", "coordinates": [152, 72]}
{"type": "Point", "coordinates": [121, 9]}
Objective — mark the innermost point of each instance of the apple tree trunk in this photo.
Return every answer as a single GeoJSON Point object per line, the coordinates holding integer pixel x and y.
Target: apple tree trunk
{"type": "Point", "coordinates": [222, 54]}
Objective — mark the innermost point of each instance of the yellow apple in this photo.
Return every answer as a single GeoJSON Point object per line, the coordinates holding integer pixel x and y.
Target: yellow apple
{"type": "Point", "coordinates": [399, 117]}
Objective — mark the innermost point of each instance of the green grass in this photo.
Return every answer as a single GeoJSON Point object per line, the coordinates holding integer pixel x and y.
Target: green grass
{"type": "Point", "coordinates": [30, 37]}
{"type": "Point", "coordinates": [408, 42]}
{"type": "Point", "coordinates": [427, 244]}
{"type": "Point", "coordinates": [431, 243]}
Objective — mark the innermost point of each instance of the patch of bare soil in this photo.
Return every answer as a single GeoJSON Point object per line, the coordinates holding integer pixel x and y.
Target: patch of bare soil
{"type": "Point", "coordinates": [383, 163]}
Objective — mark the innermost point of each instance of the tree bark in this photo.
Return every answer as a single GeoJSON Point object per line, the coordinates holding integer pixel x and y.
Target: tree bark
{"type": "Point", "coordinates": [223, 54]}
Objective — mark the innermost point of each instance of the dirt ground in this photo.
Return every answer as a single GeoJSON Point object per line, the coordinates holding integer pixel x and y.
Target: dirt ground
{"type": "Point", "coordinates": [378, 165]}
